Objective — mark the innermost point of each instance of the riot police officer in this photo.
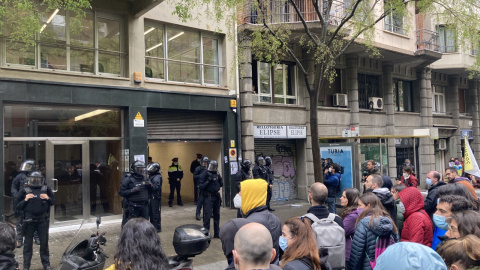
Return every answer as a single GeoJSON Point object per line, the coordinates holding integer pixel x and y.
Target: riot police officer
{"type": "Point", "coordinates": [210, 184]}
{"type": "Point", "coordinates": [35, 201]}
{"type": "Point", "coordinates": [269, 173]}
{"type": "Point", "coordinates": [17, 185]}
{"type": "Point", "coordinates": [196, 178]}
{"type": "Point", "coordinates": [135, 190]}
{"type": "Point", "coordinates": [259, 171]}
{"type": "Point", "coordinates": [242, 174]}
{"type": "Point", "coordinates": [155, 177]}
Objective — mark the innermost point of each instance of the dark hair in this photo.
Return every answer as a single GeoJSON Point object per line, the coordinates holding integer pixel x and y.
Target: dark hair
{"type": "Point", "coordinates": [374, 209]}
{"type": "Point", "coordinates": [139, 247]}
{"type": "Point", "coordinates": [7, 238]}
{"type": "Point", "coordinates": [336, 167]}
{"type": "Point", "coordinates": [399, 188]}
{"type": "Point", "coordinates": [377, 179]}
{"type": "Point", "coordinates": [465, 251]}
{"type": "Point", "coordinates": [408, 169]}
{"type": "Point", "coordinates": [305, 245]}
{"type": "Point", "coordinates": [437, 175]}
{"type": "Point", "coordinates": [460, 190]}
{"type": "Point", "coordinates": [457, 203]}
{"type": "Point", "coordinates": [352, 195]}
{"type": "Point", "coordinates": [452, 169]}
{"type": "Point", "coordinates": [372, 162]}
{"type": "Point", "coordinates": [468, 222]}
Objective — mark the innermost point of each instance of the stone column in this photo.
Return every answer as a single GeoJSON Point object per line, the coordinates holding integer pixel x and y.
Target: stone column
{"type": "Point", "coordinates": [246, 98]}
{"type": "Point", "coordinates": [454, 81]}
{"type": "Point", "coordinates": [390, 110]}
{"type": "Point", "coordinates": [473, 96]}
{"type": "Point", "coordinates": [426, 151]}
{"type": "Point", "coordinates": [352, 84]}
{"type": "Point", "coordinates": [136, 49]}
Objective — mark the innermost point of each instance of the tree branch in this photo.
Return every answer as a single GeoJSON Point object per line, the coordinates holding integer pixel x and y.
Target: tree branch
{"type": "Point", "coordinates": [319, 14]}
{"type": "Point", "coordinates": [344, 21]}
{"type": "Point", "coordinates": [307, 30]}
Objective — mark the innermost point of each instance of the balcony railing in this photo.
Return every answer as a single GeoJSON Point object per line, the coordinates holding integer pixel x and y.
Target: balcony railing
{"type": "Point", "coordinates": [427, 40]}
{"type": "Point", "coordinates": [281, 11]}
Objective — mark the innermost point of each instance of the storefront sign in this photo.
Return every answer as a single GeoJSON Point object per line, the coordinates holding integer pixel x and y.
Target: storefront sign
{"type": "Point", "coordinates": [270, 132]}
{"type": "Point", "coordinates": [351, 132]}
{"type": "Point", "coordinates": [342, 154]}
{"type": "Point", "coordinates": [297, 132]}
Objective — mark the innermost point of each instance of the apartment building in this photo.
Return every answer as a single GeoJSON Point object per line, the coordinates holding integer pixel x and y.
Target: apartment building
{"type": "Point", "coordinates": [134, 81]}
{"type": "Point", "coordinates": [413, 102]}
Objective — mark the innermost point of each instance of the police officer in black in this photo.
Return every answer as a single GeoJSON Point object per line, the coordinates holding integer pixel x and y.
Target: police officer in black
{"type": "Point", "coordinates": [269, 172]}
{"type": "Point", "coordinates": [155, 178]}
{"type": "Point", "coordinates": [17, 185]}
{"type": "Point", "coordinates": [196, 178]}
{"type": "Point", "coordinates": [195, 164]}
{"type": "Point", "coordinates": [135, 190]}
{"type": "Point", "coordinates": [259, 171]}
{"type": "Point", "coordinates": [210, 184]}
{"type": "Point", "coordinates": [242, 174]}
{"type": "Point", "coordinates": [35, 201]}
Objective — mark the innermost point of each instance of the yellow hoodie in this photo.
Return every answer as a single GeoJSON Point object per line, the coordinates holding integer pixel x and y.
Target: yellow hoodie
{"type": "Point", "coordinates": [254, 194]}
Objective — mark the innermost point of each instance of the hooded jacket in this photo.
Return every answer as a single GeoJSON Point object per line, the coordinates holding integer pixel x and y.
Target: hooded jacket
{"type": "Point", "coordinates": [387, 200]}
{"type": "Point", "coordinates": [409, 256]}
{"type": "Point", "coordinates": [365, 239]}
{"type": "Point", "coordinates": [417, 226]}
{"type": "Point", "coordinates": [431, 199]}
{"type": "Point", "coordinates": [332, 180]}
{"type": "Point", "coordinates": [349, 226]}
{"type": "Point", "coordinates": [7, 261]}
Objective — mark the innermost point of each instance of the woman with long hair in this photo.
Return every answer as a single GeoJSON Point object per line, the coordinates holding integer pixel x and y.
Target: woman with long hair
{"type": "Point", "coordinates": [374, 223]}
{"type": "Point", "coordinates": [299, 245]}
{"type": "Point", "coordinates": [463, 253]}
{"type": "Point", "coordinates": [139, 248]}
{"type": "Point", "coordinates": [349, 201]}
{"type": "Point", "coordinates": [463, 223]}
{"type": "Point", "coordinates": [460, 190]}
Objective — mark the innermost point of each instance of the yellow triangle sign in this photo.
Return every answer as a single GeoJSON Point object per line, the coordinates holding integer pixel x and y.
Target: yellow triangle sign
{"type": "Point", "coordinates": [138, 116]}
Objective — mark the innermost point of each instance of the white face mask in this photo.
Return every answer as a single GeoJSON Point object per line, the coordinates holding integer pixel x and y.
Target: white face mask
{"type": "Point", "coordinates": [402, 206]}
{"type": "Point", "coordinates": [237, 201]}
{"type": "Point", "coordinates": [330, 169]}
{"type": "Point", "coordinates": [308, 199]}
{"type": "Point", "coordinates": [175, 163]}
{"type": "Point", "coordinates": [406, 176]}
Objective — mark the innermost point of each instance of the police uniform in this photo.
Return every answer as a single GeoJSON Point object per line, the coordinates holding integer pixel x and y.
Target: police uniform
{"type": "Point", "coordinates": [242, 174]}
{"type": "Point", "coordinates": [156, 200]}
{"type": "Point", "coordinates": [175, 172]}
{"type": "Point", "coordinates": [196, 178]}
{"type": "Point", "coordinates": [35, 218]}
{"type": "Point", "coordinates": [269, 179]}
{"type": "Point", "coordinates": [210, 184]}
{"type": "Point", "coordinates": [195, 164]}
{"type": "Point", "coordinates": [135, 190]}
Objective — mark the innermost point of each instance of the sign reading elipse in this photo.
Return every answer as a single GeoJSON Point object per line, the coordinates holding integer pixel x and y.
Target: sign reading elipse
{"type": "Point", "coordinates": [280, 132]}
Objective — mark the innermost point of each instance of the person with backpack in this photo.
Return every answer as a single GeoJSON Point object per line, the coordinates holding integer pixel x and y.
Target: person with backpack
{"type": "Point", "coordinates": [417, 226]}
{"type": "Point", "coordinates": [332, 181]}
{"type": "Point", "coordinates": [375, 231]}
{"type": "Point", "coordinates": [327, 227]}
{"type": "Point", "coordinates": [299, 246]}
{"type": "Point", "coordinates": [351, 212]}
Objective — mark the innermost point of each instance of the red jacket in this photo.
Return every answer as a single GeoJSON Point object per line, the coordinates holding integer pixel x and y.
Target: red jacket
{"type": "Point", "coordinates": [412, 181]}
{"type": "Point", "coordinates": [417, 226]}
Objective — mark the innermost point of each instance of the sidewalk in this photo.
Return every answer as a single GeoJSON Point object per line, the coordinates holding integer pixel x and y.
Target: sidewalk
{"type": "Point", "coordinates": [212, 258]}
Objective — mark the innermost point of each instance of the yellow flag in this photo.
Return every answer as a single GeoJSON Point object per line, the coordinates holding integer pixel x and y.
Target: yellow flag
{"type": "Point", "coordinates": [469, 163]}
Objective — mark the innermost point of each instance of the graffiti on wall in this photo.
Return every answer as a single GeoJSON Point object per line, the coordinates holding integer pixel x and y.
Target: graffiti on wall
{"type": "Point", "coordinates": [284, 186]}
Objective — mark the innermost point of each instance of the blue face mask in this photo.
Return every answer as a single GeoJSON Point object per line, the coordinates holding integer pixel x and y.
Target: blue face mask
{"type": "Point", "coordinates": [282, 241]}
{"type": "Point", "coordinates": [440, 222]}
{"type": "Point", "coordinates": [429, 181]}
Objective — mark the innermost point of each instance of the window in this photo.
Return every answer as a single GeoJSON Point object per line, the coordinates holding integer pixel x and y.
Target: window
{"type": "Point", "coordinates": [368, 86]}
{"type": "Point", "coordinates": [395, 23]}
{"type": "Point", "coordinates": [275, 84]}
{"type": "Point", "coordinates": [94, 47]}
{"type": "Point", "coordinates": [186, 56]}
{"type": "Point", "coordinates": [447, 39]}
{"type": "Point", "coordinates": [462, 108]}
{"type": "Point", "coordinates": [403, 96]}
{"type": "Point", "coordinates": [438, 99]}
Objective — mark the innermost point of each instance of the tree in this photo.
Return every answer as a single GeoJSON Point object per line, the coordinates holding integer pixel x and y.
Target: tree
{"type": "Point", "coordinates": [337, 26]}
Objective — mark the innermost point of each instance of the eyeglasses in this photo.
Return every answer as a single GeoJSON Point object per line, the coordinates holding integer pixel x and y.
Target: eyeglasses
{"type": "Point", "coordinates": [452, 228]}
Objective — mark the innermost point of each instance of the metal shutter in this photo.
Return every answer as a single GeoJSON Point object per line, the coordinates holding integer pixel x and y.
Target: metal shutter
{"type": "Point", "coordinates": [191, 125]}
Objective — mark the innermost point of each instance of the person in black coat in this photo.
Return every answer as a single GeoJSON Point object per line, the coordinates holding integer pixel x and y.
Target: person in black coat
{"type": "Point", "coordinates": [434, 180]}
{"type": "Point", "coordinates": [195, 164]}
{"type": "Point", "coordinates": [135, 189]}
{"type": "Point", "coordinates": [7, 246]}
{"type": "Point", "coordinates": [242, 174]}
{"type": "Point", "coordinates": [196, 178]}
{"type": "Point", "coordinates": [317, 197]}
{"type": "Point", "coordinates": [210, 184]}
{"type": "Point", "coordinates": [374, 184]}
{"type": "Point", "coordinates": [155, 177]}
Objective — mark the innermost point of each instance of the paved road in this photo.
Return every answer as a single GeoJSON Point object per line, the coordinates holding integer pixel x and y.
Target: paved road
{"type": "Point", "coordinates": [212, 258]}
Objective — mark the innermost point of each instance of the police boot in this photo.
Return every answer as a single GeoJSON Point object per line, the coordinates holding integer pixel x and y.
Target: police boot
{"type": "Point", "coordinates": [197, 217]}
{"type": "Point", "coordinates": [37, 240]}
{"type": "Point", "coordinates": [20, 243]}
{"type": "Point", "coordinates": [47, 267]}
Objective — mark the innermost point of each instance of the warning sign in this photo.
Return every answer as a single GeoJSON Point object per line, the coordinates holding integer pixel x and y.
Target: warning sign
{"type": "Point", "coordinates": [233, 154]}
{"type": "Point", "coordinates": [138, 121]}
{"type": "Point", "coordinates": [138, 116]}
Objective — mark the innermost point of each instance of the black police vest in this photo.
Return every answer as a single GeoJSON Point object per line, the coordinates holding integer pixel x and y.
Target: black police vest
{"type": "Point", "coordinates": [214, 184]}
{"type": "Point", "coordinates": [157, 185]}
{"type": "Point", "coordinates": [36, 208]}
{"type": "Point", "coordinates": [142, 195]}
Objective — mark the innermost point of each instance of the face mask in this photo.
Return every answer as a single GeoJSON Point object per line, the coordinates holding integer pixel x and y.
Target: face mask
{"type": "Point", "coordinates": [199, 160]}
{"type": "Point", "coordinates": [456, 162]}
{"type": "Point", "coordinates": [330, 169]}
{"type": "Point", "coordinates": [237, 201]}
{"type": "Point", "coordinates": [402, 206]}
{"type": "Point", "coordinates": [308, 199]}
{"type": "Point", "coordinates": [282, 241]}
{"type": "Point", "coordinates": [405, 176]}
{"type": "Point", "coordinates": [440, 222]}
{"type": "Point", "coordinates": [175, 163]}
{"type": "Point", "coordinates": [428, 181]}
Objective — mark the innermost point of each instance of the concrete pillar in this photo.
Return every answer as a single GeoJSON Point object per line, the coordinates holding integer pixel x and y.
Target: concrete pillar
{"type": "Point", "coordinates": [136, 49]}
{"type": "Point", "coordinates": [309, 65]}
{"type": "Point", "coordinates": [454, 81]}
{"type": "Point", "coordinates": [473, 96]}
{"type": "Point", "coordinates": [352, 86]}
{"type": "Point", "coordinates": [246, 99]}
{"type": "Point", "coordinates": [390, 110]}
{"type": "Point", "coordinates": [426, 152]}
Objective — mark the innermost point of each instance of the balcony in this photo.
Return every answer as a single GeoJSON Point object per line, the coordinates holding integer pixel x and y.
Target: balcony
{"type": "Point", "coordinates": [281, 11]}
{"type": "Point", "coordinates": [427, 40]}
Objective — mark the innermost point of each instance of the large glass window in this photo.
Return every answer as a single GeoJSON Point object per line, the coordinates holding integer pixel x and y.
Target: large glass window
{"type": "Point", "coordinates": [438, 99]}
{"type": "Point", "coordinates": [447, 39]}
{"type": "Point", "coordinates": [275, 84]}
{"type": "Point", "coordinates": [92, 44]}
{"type": "Point", "coordinates": [403, 96]}
{"type": "Point", "coordinates": [394, 22]}
{"type": "Point", "coordinates": [181, 55]}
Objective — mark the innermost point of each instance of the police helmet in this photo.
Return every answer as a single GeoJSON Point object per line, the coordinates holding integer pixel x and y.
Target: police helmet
{"type": "Point", "coordinates": [205, 161]}
{"type": "Point", "coordinates": [246, 164]}
{"type": "Point", "coordinates": [268, 161]}
{"type": "Point", "coordinates": [260, 161]}
{"type": "Point", "coordinates": [213, 166]}
{"type": "Point", "coordinates": [138, 167]}
{"type": "Point", "coordinates": [35, 179]}
{"type": "Point", "coordinates": [28, 165]}
{"type": "Point", "coordinates": [153, 168]}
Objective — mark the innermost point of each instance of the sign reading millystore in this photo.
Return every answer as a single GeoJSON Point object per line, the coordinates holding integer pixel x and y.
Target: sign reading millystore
{"type": "Point", "coordinates": [280, 132]}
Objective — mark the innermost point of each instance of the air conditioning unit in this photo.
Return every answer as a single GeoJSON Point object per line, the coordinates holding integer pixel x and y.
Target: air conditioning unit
{"type": "Point", "coordinates": [375, 103]}
{"type": "Point", "coordinates": [340, 100]}
{"type": "Point", "coordinates": [442, 144]}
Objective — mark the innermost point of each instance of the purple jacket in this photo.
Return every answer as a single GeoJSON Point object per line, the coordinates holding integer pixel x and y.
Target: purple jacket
{"type": "Point", "coordinates": [349, 226]}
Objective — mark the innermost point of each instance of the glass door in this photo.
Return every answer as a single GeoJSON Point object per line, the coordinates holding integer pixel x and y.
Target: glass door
{"type": "Point", "coordinates": [70, 182]}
